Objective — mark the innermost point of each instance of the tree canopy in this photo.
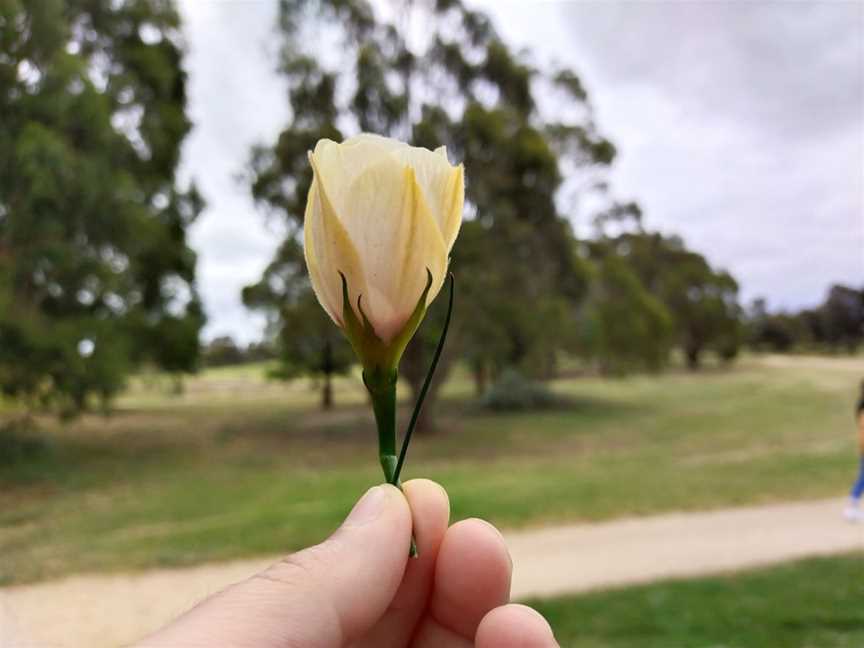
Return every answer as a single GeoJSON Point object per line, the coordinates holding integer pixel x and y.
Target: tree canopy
{"type": "Point", "coordinates": [96, 274]}
{"type": "Point", "coordinates": [701, 302]}
{"type": "Point", "coordinates": [519, 279]}
{"type": "Point", "coordinates": [837, 324]}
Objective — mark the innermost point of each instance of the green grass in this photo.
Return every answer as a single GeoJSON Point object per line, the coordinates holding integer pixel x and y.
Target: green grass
{"type": "Point", "coordinates": [810, 604]}
{"type": "Point", "coordinates": [239, 466]}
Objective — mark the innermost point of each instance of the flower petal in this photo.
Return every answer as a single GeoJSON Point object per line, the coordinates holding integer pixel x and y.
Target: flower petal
{"type": "Point", "coordinates": [386, 143]}
{"type": "Point", "coordinates": [341, 164]}
{"type": "Point", "coordinates": [435, 259]}
{"type": "Point", "coordinates": [439, 182]}
{"type": "Point", "coordinates": [397, 238]}
{"type": "Point", "coordinates": [453, 207]}
{"type": "Point", "coordinates": [329, 251]}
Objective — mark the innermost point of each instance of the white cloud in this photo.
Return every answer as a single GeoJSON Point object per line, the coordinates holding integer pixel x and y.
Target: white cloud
{"type": "Point", "coordinates": [739, 125]}
{"type": "Point", "coordinates": [236, 100]}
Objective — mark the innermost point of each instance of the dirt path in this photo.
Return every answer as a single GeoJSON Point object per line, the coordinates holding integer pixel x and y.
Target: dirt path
{"type": "Point", "coordinates": [110, 610]}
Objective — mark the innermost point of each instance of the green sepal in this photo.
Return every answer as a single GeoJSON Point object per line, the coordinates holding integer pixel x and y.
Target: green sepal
{"type": "Point", "coordinates": [401, 341]}
{"type": "Point", "coordinates": [379, 359]}
{"type": "Point", "coordinates": [354, 328]}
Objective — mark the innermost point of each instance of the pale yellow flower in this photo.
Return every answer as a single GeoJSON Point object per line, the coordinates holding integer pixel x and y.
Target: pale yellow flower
{"type": "Point", "coordinates": [381, 213]}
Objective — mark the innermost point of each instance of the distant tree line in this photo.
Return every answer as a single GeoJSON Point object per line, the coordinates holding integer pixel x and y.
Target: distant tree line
{"type": "Point", "coordinates": [224, 351]}
{"type": "Point", "coordinates": [836, 325]}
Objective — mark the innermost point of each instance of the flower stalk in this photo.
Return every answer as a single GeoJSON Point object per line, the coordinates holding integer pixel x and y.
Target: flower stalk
{"type": "Point", "coordinates": [382, 389]}
{"type": "Point", "coordinates": [381, 385]}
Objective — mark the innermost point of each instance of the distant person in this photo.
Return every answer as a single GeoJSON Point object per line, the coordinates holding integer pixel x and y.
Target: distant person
{"type": "Point", "coordinates": [854, 512]}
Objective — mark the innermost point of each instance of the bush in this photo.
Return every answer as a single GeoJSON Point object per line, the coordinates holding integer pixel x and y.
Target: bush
{"type": "Point", "coordinates": [514, 392]}
{"type": "Point", "coordinates": [19, 446]}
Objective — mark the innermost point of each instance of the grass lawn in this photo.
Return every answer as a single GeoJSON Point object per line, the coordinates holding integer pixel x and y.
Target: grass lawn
{"type": "Point", "coordinates": [239, 466]}
{"type": "Point", "coordinates": [810, 604]}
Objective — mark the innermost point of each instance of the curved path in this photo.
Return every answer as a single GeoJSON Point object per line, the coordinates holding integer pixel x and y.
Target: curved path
{"type": "Point", "coordinates": [96, 611]}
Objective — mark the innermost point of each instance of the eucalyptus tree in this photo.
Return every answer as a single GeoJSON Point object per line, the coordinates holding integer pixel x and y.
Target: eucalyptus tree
{"type": "Point", "coordinates": [841, 317]}
{"type": "Point", "coordinates": [626, 328]}
{"type": "Point", "coordinates": [95, 272]}
{"type": "Point", "coordinates": [702, 301]}
{"type": "Point", "coordinates": [438, 73]}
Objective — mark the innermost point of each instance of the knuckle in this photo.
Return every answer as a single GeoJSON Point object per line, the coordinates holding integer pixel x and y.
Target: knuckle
{"type": "Point", "coordinates": [292, 570]}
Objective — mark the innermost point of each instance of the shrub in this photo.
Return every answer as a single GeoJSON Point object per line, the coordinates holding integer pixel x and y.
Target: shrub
{"type": "Point", "coordinates": [514, 392]}
{"type": "Point", "coordinates": [19, 446]}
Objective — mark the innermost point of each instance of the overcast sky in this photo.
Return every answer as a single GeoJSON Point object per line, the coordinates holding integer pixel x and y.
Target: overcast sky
{"type": "Point", "coordinates": [739, 125]}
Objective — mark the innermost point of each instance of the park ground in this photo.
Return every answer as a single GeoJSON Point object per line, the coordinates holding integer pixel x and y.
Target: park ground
{"type": "Point", "coordinates": [238, 466]}
{"type": "Point", "coordinates": [114, 609]}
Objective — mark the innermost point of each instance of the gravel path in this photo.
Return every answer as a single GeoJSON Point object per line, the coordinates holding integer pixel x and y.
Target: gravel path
{"type": "Point", "coordinates": [100, 611]}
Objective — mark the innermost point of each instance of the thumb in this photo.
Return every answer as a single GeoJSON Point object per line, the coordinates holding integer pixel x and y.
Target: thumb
{"type": "Point", "coordinates": [322, 597]}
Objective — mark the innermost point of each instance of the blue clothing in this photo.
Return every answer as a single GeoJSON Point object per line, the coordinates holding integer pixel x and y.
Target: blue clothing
{"type": "Point", "coordinates": [858, 488]}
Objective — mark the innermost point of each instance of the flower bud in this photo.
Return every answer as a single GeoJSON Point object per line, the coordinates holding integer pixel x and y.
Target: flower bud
{"type": "Point", "coordinates": [381, 219]}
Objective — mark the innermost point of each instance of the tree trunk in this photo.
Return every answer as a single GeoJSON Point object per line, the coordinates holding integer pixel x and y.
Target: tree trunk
{"type": "Point", "coordinates": [415, 364]}
{"type": "Point", "coordinates": [327, 392]}
{"type": "Point", "coordinates": [426, 421]}
{"type": "Point", "coordinates": [178, 387]}
{"type": "Point", "coordinates": [693, 357]}
{"type": "Point", "coordinates": [480, 379]}
{"type": "Point", "coordinates": [327, 368]}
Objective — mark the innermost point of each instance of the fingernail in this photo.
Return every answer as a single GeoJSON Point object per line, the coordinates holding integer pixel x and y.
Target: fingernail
{"type": "Point", "coordinates": [368, 508]}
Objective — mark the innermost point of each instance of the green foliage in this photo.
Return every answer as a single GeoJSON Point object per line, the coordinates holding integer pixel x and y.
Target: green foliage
{"type": "Point", "coordinates": [95, 271]}
{"type": "Point", "coordinates": [626, 327]}
{"type": "Point", "coordinates": [19, 446]}
{"type": "Point", "coordinates": [810, 603]}
{"type": "Point", "coordinates": [702, 301]}
{"type": "Point", "coordinates": [842, 318]}
{"type": "Point", "coordinates": [514, 392]}
{"type": "Point", "coordinates": [777, 332]}
{"type": "Point", "coordinates": [835, 325]}
{"type": "Point", "coordinates": [222, 351]}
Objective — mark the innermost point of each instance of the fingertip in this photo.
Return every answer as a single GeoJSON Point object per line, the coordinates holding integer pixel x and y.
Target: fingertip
{"type": "Point", "coordinates": [424, 485]}
{"type": "Point", "coordinates": [430, 516]}
{"type": "Point", "coordinates": [476, 530]}
{"type": "Point", "coordinates": [378, 501]}
{"type": "Point", "coordinates": [493, 531]}
{"type": "Point", "coordinates": [514, 626]}
{"type": "Point", "coordinates": [427, 499]}
{"type": "Point", "coordinates": [472, 575]}
{"type": "Point", "coordinates": [395, 497]}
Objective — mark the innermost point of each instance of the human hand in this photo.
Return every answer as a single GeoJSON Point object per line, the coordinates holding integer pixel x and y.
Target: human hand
{"type": "Point", "coordinates": [358, 588]}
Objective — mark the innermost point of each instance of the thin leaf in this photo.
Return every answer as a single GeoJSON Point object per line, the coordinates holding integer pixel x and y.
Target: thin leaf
{"type": "Point", "coordinates": [422, 396]}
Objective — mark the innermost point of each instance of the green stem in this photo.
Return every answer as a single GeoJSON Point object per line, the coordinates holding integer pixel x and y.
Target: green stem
{"type": "Point", "coordinates": [382, 388]}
